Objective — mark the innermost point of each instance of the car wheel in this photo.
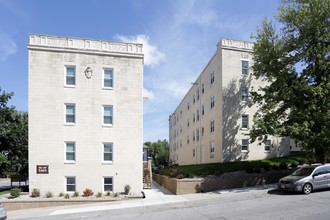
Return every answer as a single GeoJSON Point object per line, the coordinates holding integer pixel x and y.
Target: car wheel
{"type": "Point", "coordinates": [307, 188]}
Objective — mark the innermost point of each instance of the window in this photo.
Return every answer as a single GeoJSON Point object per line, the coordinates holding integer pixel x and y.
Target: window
{"type": "Point", "coordinates": [212, 126]}
{"type": "Point", "coordinates": [212, 77]}
{"type": "Point", "coordinates": [245, 144]}
{"type": "Point", "coordinates": [107, 184]}
{"type": "Point", "coordinates": [70, 76]}
{"type": "Point", "coordinates": [267, 145]}
{"type": "Point", "coordinates": [245, 94]}
{"type": "Point", "coordinates": [108, 78]}
{"type": "Point", "coordinates": [188, 122]}
{"type": "Point", "coordinates": [70, 184]}
{"type": "Point", "coordinates": [245, 121]}
{"type": "Point", "coordinates": [197, 114]}
{"type": "Point", "coordinates": [197, 134]}
{"type": "Point", "coordinates": [202, 109]}
{"type": "Point", "coordinates": [107, 152]}
{"type": "Point", "coordinates": [193, 152]}
{"type": "Point", "coordinates": [188, 105]}
{"type": "Point", "coordinates": [197, 93]}
{"type": "Point", "coordinates": [194, 117]}
{"type": "Point", "coordinates": [70, 151]}
{"type": "Point", "coordinates": [212, 150]}
{"type": "Point", "coordinates": [70, 113]}
{"type": "Point", "coordinates": [203, 88]}
{"type": "Point", "coordinates": [202, 131]}
{"type": "Point", "coordinates": [245, 67]}
{"type": "Point", "coordinates": [212, 101]}
{"type": "Point", "coordinates": [187, 139]}
{"type": "Point", "coordinates": [193, 136]}
{"type": "Point", "coordinates": [107, 115]}
{"type": "Point", "coordinates": [194, 99]}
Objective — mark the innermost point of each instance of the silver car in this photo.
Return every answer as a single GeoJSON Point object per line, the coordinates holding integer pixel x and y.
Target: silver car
{"type": "Point", "coordinates": [3, 213]}
{"type": "Point", "coordinates": [306, 179]}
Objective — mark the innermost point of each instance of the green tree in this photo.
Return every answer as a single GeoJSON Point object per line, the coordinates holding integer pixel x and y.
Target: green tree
{"type": "Point", "coordinates": [295, 63]}
{"type": "Point", "coordinates": [13, 137]}
{"type": "Point", "coordinates": [159, 151]}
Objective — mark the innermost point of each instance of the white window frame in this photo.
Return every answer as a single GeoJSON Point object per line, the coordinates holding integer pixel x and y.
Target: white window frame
{"type": "Point", "coordinates": [245, 94]}
{"type": "Point", "coordinates": [103, 152]}
{"type": "Point", "coordinates": [66, 76]}
{"type": "Point", "coordinates": [245, 122]}
{"type": "Point", "coordinates": [103, 188]}
{"type": "Point", "coordinates": [245, 145]}
{"type": "Point", "coordinates": [212, 150]}
{"type": "Point", "coordinates": [245, 70]}
{"type": "Point", "coordinates": [66, 184]}
{"type": "Point", "coordinates": [212, 129]}
{"type": "Point", "coordinates": [212, 101]}
{"type": "Point", "coordinates": [212, 77]}
{"type": "Point", "coordinates": [103, 115]}
{"type": "Point", "coordinates": [66, 151]}
{"type": "Point", "coordinates": [112, 78]}
{"type": "Point", "coordinates": [66, 114]}
{"type": "Point", "coordinates": [268, 144]}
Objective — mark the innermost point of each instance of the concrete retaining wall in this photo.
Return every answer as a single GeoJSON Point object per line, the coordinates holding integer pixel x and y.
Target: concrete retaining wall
{"type": "Point", "coordinates": [211, 183]}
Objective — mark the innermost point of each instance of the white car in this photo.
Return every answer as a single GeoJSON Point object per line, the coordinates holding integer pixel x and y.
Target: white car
{"type": "Point", "coordinates": [3, 213]}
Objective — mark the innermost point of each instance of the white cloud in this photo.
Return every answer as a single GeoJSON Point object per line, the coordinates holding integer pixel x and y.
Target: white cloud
{"type": "Point", "coordinates": [148, 94]}
{"type": "Point", "coordinates": [7, 47]}
{"type": "Point", "coordinates": [152, 56]}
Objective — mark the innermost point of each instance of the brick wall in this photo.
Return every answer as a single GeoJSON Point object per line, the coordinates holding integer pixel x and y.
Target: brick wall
{"type": "Point", "coordinates": [207, 184]}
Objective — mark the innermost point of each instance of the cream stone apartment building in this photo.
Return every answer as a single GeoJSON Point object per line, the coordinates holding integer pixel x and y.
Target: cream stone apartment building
{"type": "Point", "coordinates": [85, 114]}
{"type": "Point", "coordinates": [212, 122]}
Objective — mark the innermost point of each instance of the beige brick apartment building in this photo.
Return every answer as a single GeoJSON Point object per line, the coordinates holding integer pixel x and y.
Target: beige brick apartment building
{"type": "Point", "coordinates": [212, 122]}
{"type": "Point", "coordinates": [85, 115]}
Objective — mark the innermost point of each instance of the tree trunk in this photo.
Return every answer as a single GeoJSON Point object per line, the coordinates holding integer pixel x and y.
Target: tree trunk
{"type": "Point", "coordinates": [320, 156]}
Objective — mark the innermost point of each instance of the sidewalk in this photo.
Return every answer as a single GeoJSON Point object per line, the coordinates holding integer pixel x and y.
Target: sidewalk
{"type": "Point", "coordinates": [155, 196]}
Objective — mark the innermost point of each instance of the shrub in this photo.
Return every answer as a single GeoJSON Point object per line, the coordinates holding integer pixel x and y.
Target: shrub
{"type": "Point", "coordinates": [60, 194]}
{"type": "Point", "coordinates": [108, 193]}
{"type": "Point", "coordinates": [127, 189]}
{"type": "Point", "coordinates": [283, 166]}
{"type": "Point", "coordinates": [16, 192]}
{"type": "Point", "coordinates": [35, 193]}
{"type": "Point", "coordinates": [75, 194]}
{"type": "Point", "coordinates": [115, 194]}
{"type": "Point", "coordinates": [88, 192]}
{"type": "Point", "coordinates": [67, 196]}
{"type": "Point", "coordinates": [99, 194]}
{"type": "Point", "coordinates": [49, 195]}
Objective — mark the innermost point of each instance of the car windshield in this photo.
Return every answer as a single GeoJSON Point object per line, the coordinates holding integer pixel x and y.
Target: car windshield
{"type": "Point", "coordinates": [304, 171]}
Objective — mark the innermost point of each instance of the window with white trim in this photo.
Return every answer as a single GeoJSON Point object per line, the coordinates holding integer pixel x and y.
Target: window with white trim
{"type": "Point", "coordinates": [70, 113]}
{"type": "Point", "coordinates": [70, 184]}
{"type": "Point", "coordinates": [245, 121]}
{"type": "Point", "coordinates": [70, 76]}
{"type": "Point", "coordinates": [197, 93]}
{"type": "Point", "coordinates": [107, 115]}
{"type": "Point", "coordinates": [245, 145]}
{"type": "Point", "coordinates": [245, 93]}
{"type": "Point", "coordinates": [212, 126]}
{"type": "Point", "coordinates": [197, 134]}
{"type": "Point", "coordinates": [245, 67]}
{"type": "Point", "coordinates": [212, 77]}
{"type": "Point", "coordinates": [107, 184]}
{"type": "Point", "coordinates": [107, 152]}
{"type": "Point", "coordinates": [212, 150]}
{"type": "Point", "coordinates": [202, 109]}
{"type": "Point", "coordinates": [212, 101]}
{"type": "Point", "coordinates": [197, 114]}
{"type": "Point", "coordinates": [203, 88]}
{"type": "Point", "coordinates": [107, 78]}
{"type": "Point", "coordinates": [267, 145]}
{"type": "Point", "coordinates": [70, 151]}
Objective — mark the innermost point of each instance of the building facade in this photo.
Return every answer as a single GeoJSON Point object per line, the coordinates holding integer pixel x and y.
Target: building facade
{"type": "Point", "coordinates": [212, 122]}
{"type": "Point", "coordinates": [85, 115]}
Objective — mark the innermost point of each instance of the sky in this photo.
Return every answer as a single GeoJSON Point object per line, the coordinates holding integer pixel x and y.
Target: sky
{"type": "Point", "coordinates": [179, 38]}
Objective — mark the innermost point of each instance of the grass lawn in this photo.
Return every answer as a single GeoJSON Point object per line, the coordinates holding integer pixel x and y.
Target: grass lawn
{"type": "Point", "coordinates": [189, 171]}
